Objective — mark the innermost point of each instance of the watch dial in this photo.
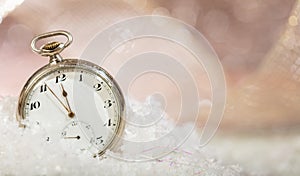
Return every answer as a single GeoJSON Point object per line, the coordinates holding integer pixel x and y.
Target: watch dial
{"type": "Point", "coordinates": [75, 104]}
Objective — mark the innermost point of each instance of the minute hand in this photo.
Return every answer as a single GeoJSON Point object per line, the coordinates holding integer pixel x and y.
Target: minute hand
{"type": "Point", "coordinates": [57, 98]}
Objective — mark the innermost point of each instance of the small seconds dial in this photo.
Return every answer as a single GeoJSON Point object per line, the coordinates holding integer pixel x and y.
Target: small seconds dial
{"type": "Point", "coordinates": [78, 134]}
{"type": "Point", "coordinates": [65, 97]}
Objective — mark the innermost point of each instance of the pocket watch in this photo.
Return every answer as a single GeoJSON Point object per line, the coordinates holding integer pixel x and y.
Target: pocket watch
{"type": "Point", "coordinates": [75, 101]}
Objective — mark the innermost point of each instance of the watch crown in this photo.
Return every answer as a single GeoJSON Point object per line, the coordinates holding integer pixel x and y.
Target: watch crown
{"type": "Point", "coordinates": [51, 45]}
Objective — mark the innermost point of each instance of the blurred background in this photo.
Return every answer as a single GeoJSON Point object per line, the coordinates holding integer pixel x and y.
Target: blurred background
{"type": "Point", "coordinates": [257, 42]}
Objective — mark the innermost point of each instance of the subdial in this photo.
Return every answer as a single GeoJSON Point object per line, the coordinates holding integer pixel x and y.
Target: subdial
{"type": "Point", "coordinates": [78, 134]}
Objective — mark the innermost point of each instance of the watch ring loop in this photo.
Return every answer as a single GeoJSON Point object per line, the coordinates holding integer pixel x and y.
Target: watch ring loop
{"type": "Point", "coordinates": [51, 48]}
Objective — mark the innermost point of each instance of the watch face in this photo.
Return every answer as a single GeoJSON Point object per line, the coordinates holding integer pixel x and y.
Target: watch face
{"type": "Point", "coordinates": [76, 103]}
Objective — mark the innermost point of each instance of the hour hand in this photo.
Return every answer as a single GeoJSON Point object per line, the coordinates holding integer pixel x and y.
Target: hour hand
{"type": "Point", "coordinates": [65, 94]}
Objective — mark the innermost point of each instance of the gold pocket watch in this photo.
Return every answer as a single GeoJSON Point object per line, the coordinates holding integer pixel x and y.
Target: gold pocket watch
{"type": "Point", "coordinates": [75, 101]}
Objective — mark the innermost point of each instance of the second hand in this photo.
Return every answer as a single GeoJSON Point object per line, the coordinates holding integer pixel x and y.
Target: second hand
{"type": "Point", "coordinates": [75, 137]}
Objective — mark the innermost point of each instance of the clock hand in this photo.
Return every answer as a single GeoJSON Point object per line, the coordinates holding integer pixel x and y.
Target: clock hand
{"type": "Point", "coordinates": [73, 137]}
{"type": "Point", "coordinates": [65, 94]}
{"type": "Point", "coordinates": [58, 99]}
